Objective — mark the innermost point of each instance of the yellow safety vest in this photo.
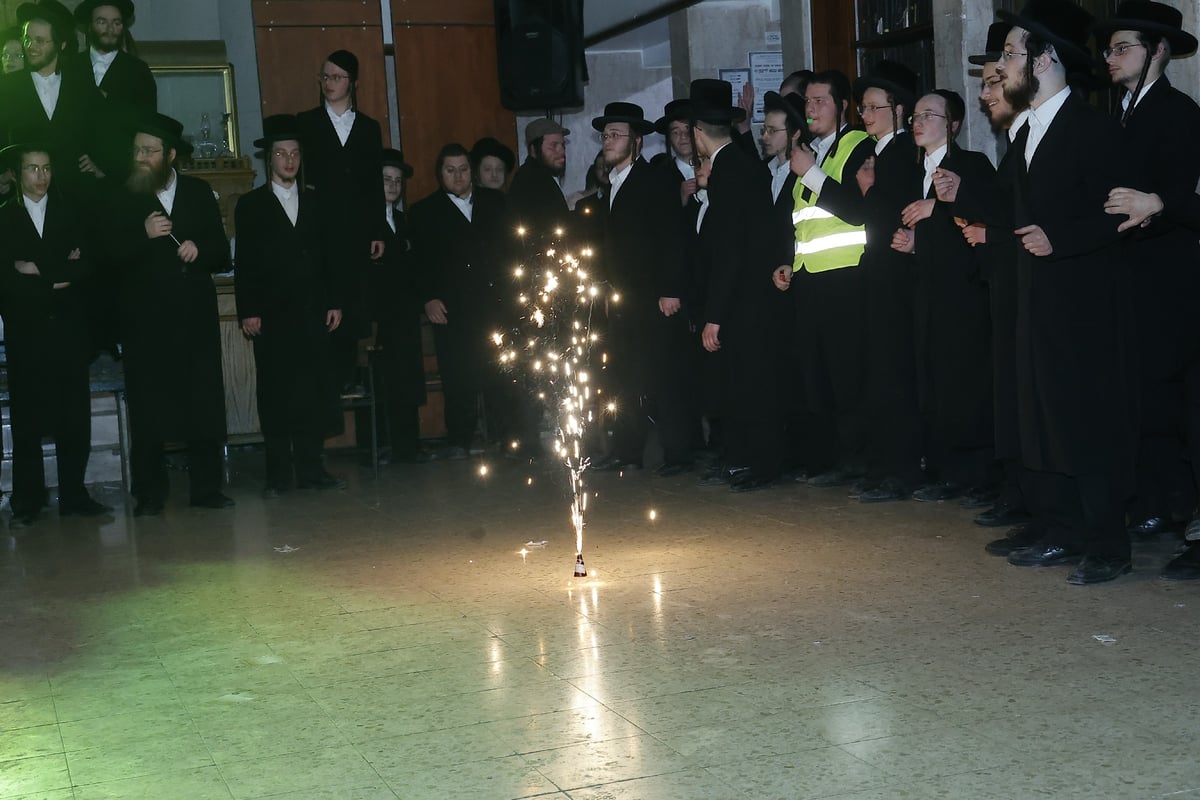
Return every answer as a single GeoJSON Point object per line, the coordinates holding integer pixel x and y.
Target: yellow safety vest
{"type": "Point", "coordinates": [824, 242]}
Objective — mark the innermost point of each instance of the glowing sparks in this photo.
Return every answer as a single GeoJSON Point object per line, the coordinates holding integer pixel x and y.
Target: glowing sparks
{"type": "Point", "coordinates": [483, 470]}
{"type": "Point", "coordinates": [653, 515]}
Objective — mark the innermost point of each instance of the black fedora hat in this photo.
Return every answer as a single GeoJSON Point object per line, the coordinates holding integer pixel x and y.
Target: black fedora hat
{"type": "Point", "coordinates": [491, 146]}
{"type": "Point", "coordinates": [278, 128]}
{"type": "Point", "coordinates": [10, 157]}
{"type": "Point", "coordinates": [83, 11]}
{"type": "Point", "coordinates": [794, 109]}
{"type": "Point", "coordinates": [53, 12]}
{"type": "Point", "coordinates": [1061, 23]}
{"type": "Point", "coordinates": [712, 101]}
{"type": "Point", "coordinates": [394, 158]}
{"type": "Point", "coordinates": [166, 128]}
{"type": "Point", "coordinates": [1145, 16]}
{"type": "Point", "coordinates": [997, 33]}
{"type": "Point", "coordinates": [678, 110]}
{"type": "Point", "coordinates": [894, 78]}
{"type": "Point", "coordinates": [630, 113]}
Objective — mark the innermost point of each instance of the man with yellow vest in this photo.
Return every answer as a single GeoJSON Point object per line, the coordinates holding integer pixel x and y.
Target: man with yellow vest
{"type": "Point", "coordinates": [826, 282]}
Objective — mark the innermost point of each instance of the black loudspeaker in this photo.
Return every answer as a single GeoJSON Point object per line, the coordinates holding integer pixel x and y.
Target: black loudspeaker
{"type": "Point", "coordinates": [539, 54]}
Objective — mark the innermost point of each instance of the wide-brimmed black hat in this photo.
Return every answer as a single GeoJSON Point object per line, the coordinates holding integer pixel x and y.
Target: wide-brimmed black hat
{"type": "Point", "coordinates": [278, 128]}
{"type": "Point", "coordinates": [630, 113]}
{"type": "Point", "coordinates": [168, 129]}
{"type": "Point", "coordinates": [711, 100]}
{"type": "Point", "coordinates": [1061, 23]}
{"type": "Point", "coordinates": [794, 109]}
{"type": "Point", "coordinates": [394, 158]}
{"type": "Point", "coordinates": [491, 146]}
{"type": "Point", "coordinates": [997, 33]}
{"type": "Point", "coordinates": [678, 110]}
{"type": "Point", "coordinates": [83, 11]}
{"type": "Point", "coordinates": [10, 157]}
{"type": "Point", "coordinates": [58, 15]}
{"type": "Point", "coordinates": [894, 78]}
{"type": "Point", "coordinates": [1144, 16]}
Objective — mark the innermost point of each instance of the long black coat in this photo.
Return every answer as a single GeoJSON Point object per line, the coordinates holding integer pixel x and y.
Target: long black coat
{"type": "Point", "coordinates": [1074, 373]}
{"type": "Point", "coordinates": [398, 305]}
{"type": "Point", "coordinates": [953, 326]}
{"type": "Point", "coordinates": [127, 90]}
{"type": "Point", "coordinates": [169, 317]}
{"type": "Point", "coordinates": [283, 277]}
{"type": "Point", "coordinates": [69, 135]}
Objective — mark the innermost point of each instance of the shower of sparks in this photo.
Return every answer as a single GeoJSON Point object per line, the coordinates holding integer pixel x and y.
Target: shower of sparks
{"type": "Point", "coordinates": [552, 346]}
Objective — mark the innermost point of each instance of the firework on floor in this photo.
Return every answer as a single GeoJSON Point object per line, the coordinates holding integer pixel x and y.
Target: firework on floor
{"type": "Point", "coordinates": [552, 347]}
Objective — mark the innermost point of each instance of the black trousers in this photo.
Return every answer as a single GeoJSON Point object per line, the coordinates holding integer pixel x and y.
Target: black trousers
{"type": "Point", "coordinates": [466, 370]}
{"type": "Point", "coordinates": [1080, 512]}
{"type": "Point", "coordinates": [292, 454]}
{"type": "Point", "coordinates": [150, 472]}
{"type": "Point", "coordinates": [51, 399]}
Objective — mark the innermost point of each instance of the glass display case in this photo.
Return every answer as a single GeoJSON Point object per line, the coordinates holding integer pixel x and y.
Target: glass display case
{"type": "Point", "coordinates": [196, 87]}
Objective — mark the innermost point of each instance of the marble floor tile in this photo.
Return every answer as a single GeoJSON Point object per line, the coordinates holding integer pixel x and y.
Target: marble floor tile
{"type": "Point", "coordinates": [41, 740]}
{"type": "Point", "coordinates": [36, 775]}
{"type": "Point", "coordinates": [205, 783]}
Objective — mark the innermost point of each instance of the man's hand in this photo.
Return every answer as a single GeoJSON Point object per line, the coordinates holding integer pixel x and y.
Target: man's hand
{"type": "Point", "coordinates": [333, 318]}
{"type": "Point", "coordinates": [687, 189]}
{"type": "Point", "coordinates": [74, 256]}
{"type": "Point", "coordinates": [252, 326]}
{"type": "Point", "coordinates": [376, 249]}
{"type": "Point", "coordinates": [710, 337]}
{"type": "Point", "coordinates": [87, 165]}
{"type": "Point", "coordinates": [1140, 207]}
{"type": "Point", "coordinates": [916, 211]}
{"type": "Point", "coordinates": [746, 103]}
{"type": "Point", "coordinates": [26, 268]}
{"type": "Point", "coordinates": [188, 252]}
{"type": "Point", "coordinates": [945, 184]}
{"type": "Point", "coordinates": [975, 234]}
{"type": "Point", "coordinates": [866, 175]}
{"type": "Point", "coordinates": [669, 305]}
{"type": "Point", "coordinates": [1034, 239]}
{"type": "Point", "coordinates": [782, 277]}
{"type": "Point", "coordinates": [436, 311]}
{"type": "Point", "coordinates": [904, 240]}
{"type": "Point", "coordinates": [803, 159]}
{"type": "Point", "coordinates": [158, 225]}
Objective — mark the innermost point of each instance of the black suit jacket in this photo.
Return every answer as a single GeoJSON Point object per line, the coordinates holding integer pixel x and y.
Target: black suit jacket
{"type": "Point", "coordinates": [127, 90]}
{"type": "Point", "coordinates": [644, 247]}
{"type": "Point", "coordinates": [536, 201]}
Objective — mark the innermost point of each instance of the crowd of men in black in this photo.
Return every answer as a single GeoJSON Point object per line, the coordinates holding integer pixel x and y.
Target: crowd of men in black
{"type": "Point", "coordinates": [866, 306]}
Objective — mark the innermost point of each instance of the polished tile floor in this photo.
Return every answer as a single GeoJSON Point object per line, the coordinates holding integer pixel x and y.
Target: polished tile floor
{"type": "Point", "coordinates": [392, 641]}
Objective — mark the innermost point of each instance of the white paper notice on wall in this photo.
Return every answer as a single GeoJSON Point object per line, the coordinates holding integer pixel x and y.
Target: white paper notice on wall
{"type": "Point", "coordinates": [766, 73]}
{"type": "Point", "coordinates": [774, 39]}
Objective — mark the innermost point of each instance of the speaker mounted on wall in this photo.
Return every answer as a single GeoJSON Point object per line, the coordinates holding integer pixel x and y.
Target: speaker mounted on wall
{"type": "Point", "coordinates": [539, 53]}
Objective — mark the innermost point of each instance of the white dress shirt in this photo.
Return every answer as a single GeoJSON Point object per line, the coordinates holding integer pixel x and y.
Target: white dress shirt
{"type": "Point", "coordinates": [464, 205]}
{"type": "Point", "coordinates": [1039, 121]}
{"type": "Point", "coordinates": [390, 212]}
{"type": "Point", "coordinates": [37, 212]}
{"type": "Point", "coordinates": [814, 179]}
{"type": "Point", "coordinates": [702, 194]}
{"type": "Point", "coordinates": [342, 123]}
{"type": "Point", "coordinates": [881, 144]}
{"type": "Point", "coordinates": [167, 195]}
{"type": "Point", "coordinates": [685, 169]}
{"type": "Point", "coordinates": [100, 63]}
{"type": "Point", "coordinates": [1141, 95]}
{"type": "Point", "coordinates": [616, 180]}
{"type": "Point", "coordinates": [932, 162]}
{"type": "Point", "coordinates": [289, 198]}
{"type": "Point", "coordinates": [781, 167]}
{"type": "Point", "coordinates": [47, 90]}
{"type": "Point", "coordinates": [1017, 122]}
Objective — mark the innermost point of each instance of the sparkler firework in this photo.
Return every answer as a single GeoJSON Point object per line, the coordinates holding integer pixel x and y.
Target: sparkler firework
{"type": "Point", "coordinates": [551, 346]}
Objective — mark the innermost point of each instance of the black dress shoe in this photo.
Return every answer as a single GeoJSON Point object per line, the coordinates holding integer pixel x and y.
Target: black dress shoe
{"type": "Point", "coordinates": [978, 497]}
{"type": "Point", "coordinates": [1192, 532]}
{"type": "Point", "coordinates": [1043, 555]}
{"type": "Point", "coordinates": [455, 453]}
{"type": "Point", "coordinates": [888, 491]}
{"type": "Point", "coordinates": [616, 464]}
{"type": "Point", "coordinates": [1099, 570]}
{"type": "Point", "coordinates": [939, 491]}
{"type": "Point", "coordinates": [1018, 538]}
{"type": "Point", "coordinates": [85, 507]}
{"type": "Point", "coordinates": [322, 482]}
{"type": "Point", "coordinates": [1002, 515]}
{"type": "Point", "coordinates": [214, 500]}
{"type": "Point", "coordinates": [861, 487]}
{"type": "Point", "coordinates": [148, 508]}
{"type": "Point", "coordinates": [21, 521]}
{"type": "Point", "coordinates": [668, 470]}
{"type": "Point", "coordinates": [1151, 527]}
{"type": "Point", "coordinates": [839, 476]}
{"type": "Point", "coordinates": [750, 481]}
{"type": "Point", "coordinates": [1183, 567]}
{"type": "Point", "coordinates": [722, 476]}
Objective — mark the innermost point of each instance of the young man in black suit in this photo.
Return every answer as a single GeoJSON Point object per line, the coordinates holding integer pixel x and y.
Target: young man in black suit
{"type": "Point", "coordinates": [648, 337]}
{"type": "Point", "coordinates": [167, 236]}
{"type": "Point", "coordinates": [44, 256]}
{"type": "Point", "coordinates": [675, 126]}
{"type": "Point", "coordinates": [1075, 395]}
{"type": "Point", "coordinates": [342, 148]}
{"type": "Point", "coordinates": [461, 237]}
{"type": "Point", "coordinates": [535, 196]}
{"type": "Point", "coordinates": [288, 305]}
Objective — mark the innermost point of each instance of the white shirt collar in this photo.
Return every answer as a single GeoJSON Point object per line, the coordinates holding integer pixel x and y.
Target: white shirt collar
{"type": "Point", "coordinates": [47, 87]}
{"type": "Point", "coordinates": [1048, 110]}
{"type": "Point", "coordinates": [1141, 96]}
{"type": "Point", "coordinates": [102, 58]}
{"type": "Point", "coordinates": [932, 161]}
{"type": "Point", "coordinates": [37, 212]}
{"type": "Point", "coordinates": [167, 195]}
{"type": "Point", "coordinates": [713, 158]}
{"type": "Point", "coordinates": [390, 215]}
{"type": "Point", "coordinates": [685, 169]}
{"type": "Point", "coordinates": [882, 143]}
{"type": "Point", "coordinates": [463, 203]}
{"type": "Point", "coordinates": [289, 198]}
{"type": "Point", "coordinates": [342, 123]}
{"type": "Point", "coordinates": [780, 167]}
{"type": "Point", "coordinates": [616, 180]}
{"type": "Point", "coordinates": [1017, 122]}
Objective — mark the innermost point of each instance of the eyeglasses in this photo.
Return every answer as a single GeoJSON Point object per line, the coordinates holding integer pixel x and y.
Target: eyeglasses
{"type": "Point", "coordinates": [393, 181]}
{"type": "Point", "coordinates": [286, 155]}
{"type": "Point", "coordinates": [40, 41]}
{"type": "Point", "coordinates": [924, 117]}
{"type": "Point", "coordinates": [993, 81]}
{"type": "Point", "coordinates": [771, 130]}
{"type": "Point", "coordinates": [1005, 55]}
{"type": "Point", "coordinates": [326, 78]}
{"type": "Point", "coordinates": [37, 169]}
{"type": "Point", "coordinates": [870, 109]}
{"type": "Point", "coordinates": [146, 151]}
{"type": "Point", "coordinates": [608, 137]}
{"type": "Point", "coordinates": [1119, 50]}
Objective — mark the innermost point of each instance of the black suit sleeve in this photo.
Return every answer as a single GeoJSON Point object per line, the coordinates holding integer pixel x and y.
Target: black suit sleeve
{"type": "Point", "coordinates": [248, 280]}
{"type": "Point", "coordinates": [844, 199]}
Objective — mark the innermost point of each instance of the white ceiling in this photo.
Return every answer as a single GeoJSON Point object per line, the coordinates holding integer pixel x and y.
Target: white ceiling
{"type": "Point", "coordinates": [603, 15]}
